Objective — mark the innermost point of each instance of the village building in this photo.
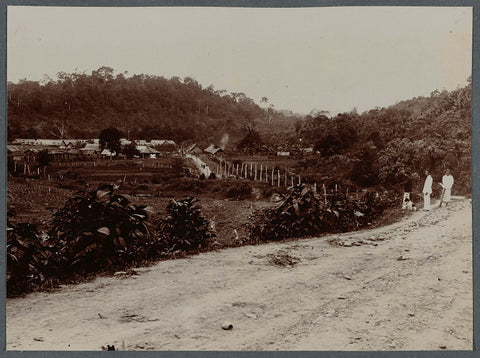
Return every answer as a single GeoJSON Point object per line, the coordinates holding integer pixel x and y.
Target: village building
{"type": "Point", "coordinates": [147, 152]}
{"type": "Point", "coordinates": [15, 152]}
{"type": "Point", "coordinates": [164, 146]}
{"type": "Point", "coordinates": [49, 142]}
{"type": "Point", "coordinates": [61, 149]}
{"type": "Point", "coordinates": [108, 153]}
{"type": "Point", "coordinates": [91, 149]}
{"type": "Point", "coordinates": [214, 150]}
{"type": "Point", "coordinates": [124, 141]}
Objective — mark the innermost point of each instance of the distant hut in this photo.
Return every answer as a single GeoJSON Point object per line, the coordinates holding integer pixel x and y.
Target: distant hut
{"type": "Point", "coordinates": [164, 146]}
{"type": "Point", "coordinates": [91, 149]}
{"type": "Point", "coordinates": [108, 153]}
{"type": "Point", "coordinates": [214, 150]}
{"type": "Point", "coordinates": [65, 145]}
{"type": "Point", "coordinates": [147, 152]}
{"type": "Point", "coordinates": [15, 152]}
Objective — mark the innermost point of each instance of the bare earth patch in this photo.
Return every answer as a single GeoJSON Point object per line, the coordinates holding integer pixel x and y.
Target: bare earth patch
{"type": "Point", "coordinates": [407, 286]}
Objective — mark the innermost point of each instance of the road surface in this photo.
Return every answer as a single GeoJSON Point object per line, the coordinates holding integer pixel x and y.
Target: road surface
{"type": "Point", "coordinates": [407, 286]}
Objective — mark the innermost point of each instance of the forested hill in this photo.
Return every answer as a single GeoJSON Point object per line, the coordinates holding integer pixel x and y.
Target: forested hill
{"type": "Point", "coordinates": [374, 148]}
{"type": "Point", "coordinates": [379, 146]}
{"type": "Point", "coordinates": [142, 106]}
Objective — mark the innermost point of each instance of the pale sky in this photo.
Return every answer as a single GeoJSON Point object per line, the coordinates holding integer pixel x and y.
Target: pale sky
{"type": "Point", "coordinates": [332, 59]}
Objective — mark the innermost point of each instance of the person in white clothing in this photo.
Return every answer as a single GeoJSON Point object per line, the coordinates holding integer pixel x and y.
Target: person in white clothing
{"type": "Point", "coordinates": [427, 191]}
{"type": "Point", "coordinates": [447, 183]}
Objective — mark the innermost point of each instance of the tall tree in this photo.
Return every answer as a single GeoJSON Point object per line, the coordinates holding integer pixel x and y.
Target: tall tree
{"type": "Point", "coordinates": [110, 139]}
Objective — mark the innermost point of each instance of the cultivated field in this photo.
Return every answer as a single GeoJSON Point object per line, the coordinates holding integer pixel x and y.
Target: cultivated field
{"type": "Point", "coordinates": [152, 182]}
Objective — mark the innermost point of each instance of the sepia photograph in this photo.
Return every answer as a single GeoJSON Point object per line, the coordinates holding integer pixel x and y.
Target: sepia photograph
{"type": "Point", "coordinates": [239, 178]}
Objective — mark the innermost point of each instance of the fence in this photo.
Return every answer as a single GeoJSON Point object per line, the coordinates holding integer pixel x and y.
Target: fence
{"type": "Point", "coordinates": [281, 178]}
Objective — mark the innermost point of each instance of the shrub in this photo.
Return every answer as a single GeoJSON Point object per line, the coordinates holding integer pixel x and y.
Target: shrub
{"type": "Point", "coordinates": [185, 228]}
{"type": "Point", "coordinates": [303, 213]}
{"type": "Point", "coordinates": [96, 230]}
{"type": "Point", "coordinates": [300, 214]}
{"type": "Point", "coordinates": [27, 258]}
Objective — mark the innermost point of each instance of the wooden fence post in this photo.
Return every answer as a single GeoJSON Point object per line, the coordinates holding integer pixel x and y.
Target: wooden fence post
{"type": "Point", "coordinates": [255, 171]}
{"type": "Point", "coordinates": [261, 169]}
{"type": "Point", "coordinates": [273, 173]}
{"type": "Point", "coordinates": [278, 175]}
{"type": "Point", "coordinates": [325, 193]}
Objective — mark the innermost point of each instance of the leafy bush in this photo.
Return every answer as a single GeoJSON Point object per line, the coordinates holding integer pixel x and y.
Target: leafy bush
{"type": "Point", "coordinates": [98, 229]}
{"type": "Point", "coordinates": [185, 228]}
{"type": "Point", "coordinates": [27, 258]}
{"type": "Point", "coordinates": [304, 213]}
{"type": "Point", "coordinates": [300, 214]}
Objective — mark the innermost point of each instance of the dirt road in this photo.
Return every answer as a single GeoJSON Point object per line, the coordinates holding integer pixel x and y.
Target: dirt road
{"type": "Point", "coordinates": [407, 286]}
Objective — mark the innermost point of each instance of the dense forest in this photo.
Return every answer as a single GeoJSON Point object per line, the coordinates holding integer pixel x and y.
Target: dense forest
{"type": "Point", "coordinates": [381, 146]}
{"type": "Point", "coordinates": [79, 105]}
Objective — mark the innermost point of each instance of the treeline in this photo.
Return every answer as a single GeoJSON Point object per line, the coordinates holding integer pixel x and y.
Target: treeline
{"type": "Point", "coordinates": [79, 105]}
{"type": "Point", "coordinates": [385, 145]}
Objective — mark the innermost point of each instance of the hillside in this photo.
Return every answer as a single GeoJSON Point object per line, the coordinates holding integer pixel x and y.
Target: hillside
{"type": "Point", "coordinates": [381, 146]}
{"type": "Point", "coordinates": [375, 148]}
{"type": "Point", "coordinates": [141, 106]}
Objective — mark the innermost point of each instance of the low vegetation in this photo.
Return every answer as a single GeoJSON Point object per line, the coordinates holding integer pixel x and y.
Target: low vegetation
{"type": "Point", "coordinates": [304, 213]}
{"type": "Point", "coordinates": [185, 228]}
{"type": "Point", "coordinates": [99, 231]}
